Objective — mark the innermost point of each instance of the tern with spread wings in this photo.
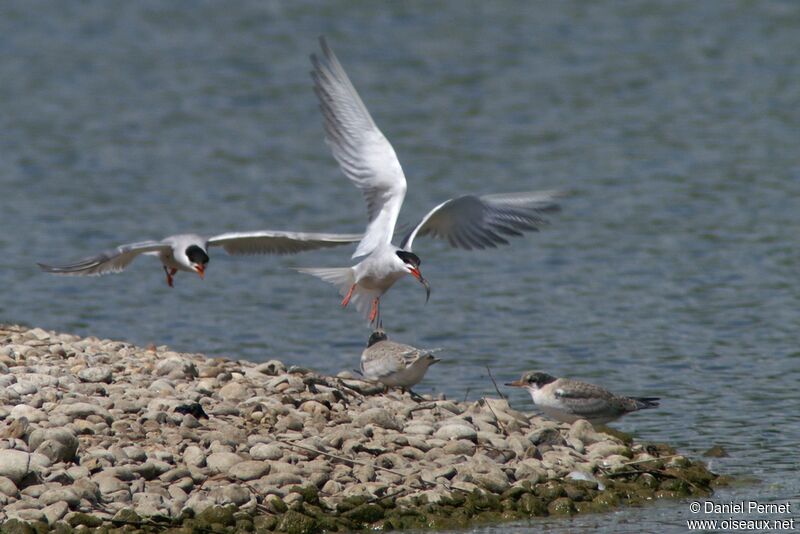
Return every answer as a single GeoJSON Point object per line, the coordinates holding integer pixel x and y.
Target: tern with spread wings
{"type": "Point", "coordinates": [189, 252]}
{"type": "Point", "coordinates": [367, 158]}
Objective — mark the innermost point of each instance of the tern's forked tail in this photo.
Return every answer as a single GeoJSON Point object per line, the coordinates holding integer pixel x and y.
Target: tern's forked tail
{"type": "Point", "coordinates": [342, 277]}
{"type": "Point", "coordinates": [642, 403]}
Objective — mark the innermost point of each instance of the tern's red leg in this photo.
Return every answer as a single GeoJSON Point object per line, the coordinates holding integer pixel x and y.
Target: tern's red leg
{"type": "Point", "coordinates": [170, 274]}
{"type": "Point", "coordinates": [375, 307]}
{"type": "Point", "coordinates": [346, 300]}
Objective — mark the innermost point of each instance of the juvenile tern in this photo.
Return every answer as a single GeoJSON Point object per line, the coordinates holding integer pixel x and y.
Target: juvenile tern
{"type": "Point", "coordinates": [568, 400]}
{"type": "Point", "coordinates": [189, 252]}
{"type": "Point", "coordinates": [394, 364]}
{"type": "Point", "coordinates": [367, 158]}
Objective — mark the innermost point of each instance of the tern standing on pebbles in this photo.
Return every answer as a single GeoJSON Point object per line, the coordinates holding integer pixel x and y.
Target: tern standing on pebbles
{"type": "Point", "coordinates": [394, 364]}
{"type": "Point", "coordinates": [189, 252]}
{"type": "Point", "coordinates": [568, 400]}
{"type": "Point", "coordinates": [367, 158]}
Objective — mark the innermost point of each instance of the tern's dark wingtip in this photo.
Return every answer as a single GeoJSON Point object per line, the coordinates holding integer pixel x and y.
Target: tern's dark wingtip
{"type": "Point", "coordinates": [323, 44]}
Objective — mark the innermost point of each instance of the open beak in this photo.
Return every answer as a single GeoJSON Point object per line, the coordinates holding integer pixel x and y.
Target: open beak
{"type": "Point", "coordinates": [201, 270]}
{"type": "Point", "coordinates": [418, 275]}
{"type": "Point", "coordinates": [517, 384]}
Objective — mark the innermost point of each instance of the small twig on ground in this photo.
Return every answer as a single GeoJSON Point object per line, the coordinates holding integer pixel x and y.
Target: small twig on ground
{"type": "Point", "coordinates": [499, 422]}
{"type": "Point", "coordinates": [341, 458]}
{"type": "Point", "coordinates": [651, 459]}
{"type": "Point", "coordinates": [466, 394]}
{"type": "Point", "coordinates": [495, 383]}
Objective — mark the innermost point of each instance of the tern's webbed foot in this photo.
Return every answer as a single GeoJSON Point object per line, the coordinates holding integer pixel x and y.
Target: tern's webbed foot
{"type": "Point", "coordinates": [346, 299]}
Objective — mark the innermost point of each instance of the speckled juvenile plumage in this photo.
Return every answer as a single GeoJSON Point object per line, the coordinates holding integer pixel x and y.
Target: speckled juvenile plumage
{"type": "Point", "coordinates": [394, 364]}
{"type": "Point", "coordinates": [568, 400]}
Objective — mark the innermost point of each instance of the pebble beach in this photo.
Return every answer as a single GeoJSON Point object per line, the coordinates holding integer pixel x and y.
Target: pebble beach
{"type": "Point", "coordinates": [103, 435]}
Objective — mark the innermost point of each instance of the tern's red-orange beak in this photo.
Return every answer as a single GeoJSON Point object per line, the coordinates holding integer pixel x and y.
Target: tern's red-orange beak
{"type": "Point", "coordinates": [517, 384]}
{"type": "Point", "coordinates": [201, 270]}
{"type": "Point", "coordinates": [418, 275]}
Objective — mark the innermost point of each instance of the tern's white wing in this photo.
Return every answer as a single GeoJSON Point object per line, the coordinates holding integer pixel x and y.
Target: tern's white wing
{"type": "Point", "coordinates": [480, 222]}
{"type": "Point", "coordinates": [278, 242]}
{"type": "Point", "coordinates": [363, 153]}
{"type": "Point", "coordinates": [110, 261]}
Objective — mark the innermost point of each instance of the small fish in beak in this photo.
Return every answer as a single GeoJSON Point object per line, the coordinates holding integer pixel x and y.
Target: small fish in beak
{"type": "Point", "coordinates": [418, 275]}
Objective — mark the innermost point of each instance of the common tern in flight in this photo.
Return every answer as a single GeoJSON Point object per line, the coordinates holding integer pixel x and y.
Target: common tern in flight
{"type": "Point", "coordinates": [189, 252]}
{"type": "Point", "coordinates": [367, 158]}
{"type": "Point", "coordinates": [568, 400]}
{"type": "Point", "coordinates": [394, 364]}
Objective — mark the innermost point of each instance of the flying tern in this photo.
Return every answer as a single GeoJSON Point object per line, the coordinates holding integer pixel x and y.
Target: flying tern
{"type": "Point", "coordinates": [367, 158]}
{"type": "Point", "coordinates": [568, 400]}
{"type": "Point", "coordinates": [189, 252]}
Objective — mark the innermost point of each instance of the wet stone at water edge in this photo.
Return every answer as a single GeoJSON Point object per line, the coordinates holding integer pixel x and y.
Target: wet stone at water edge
{"type": "Point", "coordinates": [225, 446]}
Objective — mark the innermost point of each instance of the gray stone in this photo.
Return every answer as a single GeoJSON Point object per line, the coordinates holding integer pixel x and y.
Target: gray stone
{"type": "Point", "coordinates": [66, 495]}
{"type": "Point", "coordinates": [418, 428]}
{"type": "Point", "coordinates": [270, 368]}
{"type": "Point", "coordinates": [38, 334]}
{"type": "Point", "coordinates": [266, 451]}
{"type": "Point", "coordinates": [26, 514]}
{"type": "Point", "coordinates": [198, 503]}
{"type": "Point", "coordinates": [109, 484]}
{"type": "Point", "coordinates": [174, 474]}
{"type": "Point", "coordinates": [282, 479]}
{"type": "Point", "coordinates": [7, 487]}
{"type": "Point", "coordinates": [234, 392]}
{"type": "Point", "coordinates": [82, 410]}
{"type": "Point", "coordinates": [34, 490]}
{"type": "Point", "coordinates": [231, 494]}
{"type": "Point", "coordinates": [95, 374]}
{"type": "Point", "coordinates": [149, 504]}
{"type": "Point", "coordinates": [583, 431]}
{"type": "Point", "coordinates": [221, 462]}
{"type": "Point", "coordinates": [32, 414]}
{"type": "Point", "coordinates": [60, 434]}
{"type": "Point", "coordinates": [162, 386]}
{"type": "Point", "coordinates": [55, 511]}
{"type": "Point", "coordinates": [135, 453]}
{"type": "Point", "coordinates": [176, 368]}
{"type": "Point", "coordinates": [152, 469]}
{"type": "Point", "coordinates": [456, 431]}
{"type": "Point", "coordinates": [378, 417]}
{"type": "Point", "coordinates": [78, 471]}
{"type": "Point", "coordinates": [56, 451]}
{"type": "Point", "coordinates": [194, 456]}
{"type": "Point", "coordinates": [14, 465]}
{"type": "Point", "coordinates": [495, 481]}
{"type": "Point", "coordinates": [86, 489]}
{"type": "Point", "coordinates": [249, 470]}
{"type": "Point", "coordinates": [289, 422]}
{"type": "Point", "coordinates": [461, 446]}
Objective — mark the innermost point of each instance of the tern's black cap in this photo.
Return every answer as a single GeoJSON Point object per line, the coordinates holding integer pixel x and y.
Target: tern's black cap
{"type": "Point", "coordinates": [197, 255]}
{"type": "Point", "coordinates": [377, 336]}
{"type": "Point", "coordinates": [409, 257]}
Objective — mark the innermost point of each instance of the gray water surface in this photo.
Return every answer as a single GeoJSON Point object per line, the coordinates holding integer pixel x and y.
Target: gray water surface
{"type": "Point", "coordinates": [671, 271]}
